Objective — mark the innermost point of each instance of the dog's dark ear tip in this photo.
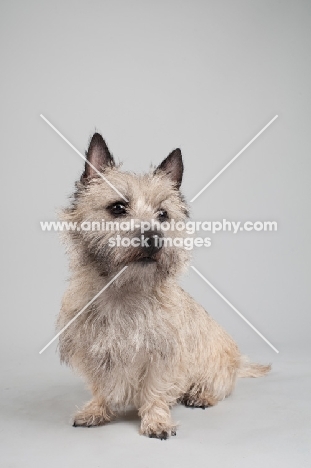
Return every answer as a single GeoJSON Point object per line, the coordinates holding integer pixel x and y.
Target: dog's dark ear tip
{"type": "Point", "coordinates": [98, 155]}
{"type": "Point", "coordinates": [97, 137]}
{"type": "Point", "coordinates": [173, 167]}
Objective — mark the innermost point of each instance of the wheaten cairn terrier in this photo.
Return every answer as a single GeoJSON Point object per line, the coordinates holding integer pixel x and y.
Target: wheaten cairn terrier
{"type": "Point", "coordinates": [144, 341]}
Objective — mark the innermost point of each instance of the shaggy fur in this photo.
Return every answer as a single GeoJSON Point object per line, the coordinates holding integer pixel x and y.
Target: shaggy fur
{"type": "Point", "coordinates": [144, 341]}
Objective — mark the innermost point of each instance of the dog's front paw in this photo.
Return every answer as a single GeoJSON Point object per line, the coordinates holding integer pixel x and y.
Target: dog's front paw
{"type": "Point", "coordinates": [158, 431]}
{"type": "Point", "coordinates": [92, 415]}
{"type": "Point", "coordinates": [87, 420]}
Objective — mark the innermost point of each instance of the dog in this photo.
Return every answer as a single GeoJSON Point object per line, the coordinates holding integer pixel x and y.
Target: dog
{"type": "Point", "coordinates": [143, 341]}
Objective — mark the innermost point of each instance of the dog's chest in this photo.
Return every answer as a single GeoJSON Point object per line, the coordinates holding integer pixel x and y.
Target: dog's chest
{"type": "Point", "coordinates": [124, 331]}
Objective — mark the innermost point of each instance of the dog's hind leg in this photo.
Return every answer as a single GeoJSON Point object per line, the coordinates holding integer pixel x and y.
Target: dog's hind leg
{"type": "Point", "coordinates": [198, 398]}
{"type": "Point", "coordinates": [215, 382]}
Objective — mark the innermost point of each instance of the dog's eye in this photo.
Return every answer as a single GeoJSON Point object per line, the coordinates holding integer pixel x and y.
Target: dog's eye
{"type": "Point", "coordinates": [162, 215]}
{"type": "Point", "coordinates": [118, 209]}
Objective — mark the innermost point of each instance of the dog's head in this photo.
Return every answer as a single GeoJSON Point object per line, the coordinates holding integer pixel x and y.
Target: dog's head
{"type": "Point", "coordinates": [119, 217]}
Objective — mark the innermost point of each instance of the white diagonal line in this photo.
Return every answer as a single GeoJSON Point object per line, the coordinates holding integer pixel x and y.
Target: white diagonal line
{"type": "Point", "coordinates": [83, 157]}
{"type": "Point", "coordinates": [235, 310]}
{"type": "Point", "coordinates": [235, 157]}
{"type": "Point", "coordinates": [82, 310]}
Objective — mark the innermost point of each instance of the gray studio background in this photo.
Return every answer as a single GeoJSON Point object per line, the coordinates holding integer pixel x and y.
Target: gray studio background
{"type": "Point", "coordinates": [204, 76]}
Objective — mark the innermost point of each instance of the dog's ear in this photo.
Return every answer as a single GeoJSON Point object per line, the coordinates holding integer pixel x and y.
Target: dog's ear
{"type": "Point", "coordinates": [98, 157]}
{"type": "Point", "coordinates": [173, 167]}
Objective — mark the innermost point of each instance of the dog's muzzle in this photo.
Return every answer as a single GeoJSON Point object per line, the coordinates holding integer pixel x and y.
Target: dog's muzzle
{"type": "Point", "coordinates": [153, 242]}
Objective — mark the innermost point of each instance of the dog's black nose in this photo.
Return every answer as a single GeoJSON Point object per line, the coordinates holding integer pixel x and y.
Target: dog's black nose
{"type": "Point", "coordinates": [153, 242]}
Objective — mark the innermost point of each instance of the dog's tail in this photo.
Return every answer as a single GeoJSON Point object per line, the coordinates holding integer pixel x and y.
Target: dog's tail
{"type": "Point", "coordinates": [250, 369]}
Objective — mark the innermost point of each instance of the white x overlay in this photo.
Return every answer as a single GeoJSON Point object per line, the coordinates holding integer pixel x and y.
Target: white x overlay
{"type": "Point", "coordinates": [233, 159]}
{"type": "Point", "coordinates": [193, 199]}
{"type": "Point", "coordinates": [235, 310]}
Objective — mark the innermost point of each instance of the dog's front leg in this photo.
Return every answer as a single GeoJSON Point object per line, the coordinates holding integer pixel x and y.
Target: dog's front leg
{"type": "Point", "coordinates": [94, 413]}
{"type": "Point", "coordinates": [155, 400]}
